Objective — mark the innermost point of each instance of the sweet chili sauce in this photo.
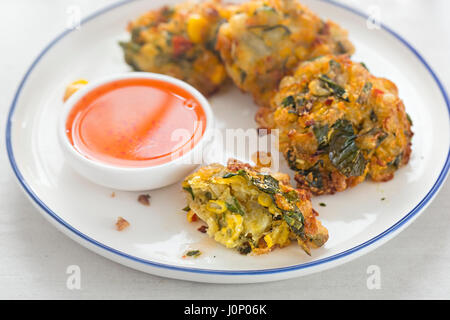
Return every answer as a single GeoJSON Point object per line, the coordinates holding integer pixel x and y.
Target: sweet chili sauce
{"type": "Point", "coordinates": [135, 123]}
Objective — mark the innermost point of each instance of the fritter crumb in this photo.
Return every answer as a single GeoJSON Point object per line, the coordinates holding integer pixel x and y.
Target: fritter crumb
{"type": "Point", "coordinates": [121, 224]}
{"type": "Point", "coordinates": [144, 199]}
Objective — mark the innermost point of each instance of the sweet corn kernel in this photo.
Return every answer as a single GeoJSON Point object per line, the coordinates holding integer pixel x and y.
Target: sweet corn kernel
{"type": "Point", "coordinates": [268, 240]}
{"type": "Point", "coordinates": [292, 117]}
{"type": "Point", "coordinates": [285, 52]}
{"type": "Point", "coordinates": [74, 87]}
{"type": "Point", "coordinates": [196, 27]}
{"type": "Point", "coordinates": [265, 200]}
{"type": "Point", "coordinates": [216, 206]}
{"type": "Point", "coordinates": [219, 74]}
{"type": "Point", "coordinates": [231, 232]}
{"type": "Point", "coordinates": [234, 179]}
{"type": "Point", "coordinates": [300, 52]}
{"type": "Point", "coordinates": [224, 12]}
{"type": "Point", "coordinates": [273, 209]}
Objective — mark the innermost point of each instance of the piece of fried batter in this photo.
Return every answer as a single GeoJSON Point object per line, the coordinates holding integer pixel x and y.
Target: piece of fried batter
{"type": "Point", "coordinates": [339, 124]}
{"type": "Point", "coordinates": [179, 41]}
{"type": "Point", "coordinates": [251, 210]}
{"type": "Point", "coordinates": [265, 40]}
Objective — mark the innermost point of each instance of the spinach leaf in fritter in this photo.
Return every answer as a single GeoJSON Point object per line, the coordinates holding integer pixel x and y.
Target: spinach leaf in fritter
{"type": "Point", "coordinates": [297, 105]}
{"type": "Point", "coordinates": [339, 91]}
{"type": "Point", "coordinates": [364, 65]}
{"type": "Point", "coordinates": [343, 152]}
{"type": "Point", "coordinates": [291, 196]}
{"type": "Point", "coordinates": [235, 206]}
{"type": "Point", "coordinates": [291, 159]}
{"type": "Point", "coordinates": [295, 221]}
{"type": "Point", "coordinates": [267, 28]}
{"type": "Point", "coordinates": [334, 65]}
{"type": "Point", "coordinates": [189, 189]}
{"type": "Point", "coordinates": [365, 92]}
{"type": "Point", "coordinates": [373, 116]}
{"type": "Point", "coordinates": [130, 46]}
{"type": "Point", "coordinates": [313, 175]}
{"type": "Point", "coordinates": [193, 253]}
{"type": "Point", "coordinates": [289, 101]}
{"type": "Point", "coordinates": [321, 133]}
{"type": "Point", "coordinates": [396, 162]}
{"type": "Point", "coordinates": [237, 173]}
{"type": "Point", "coordinates": [408, 117]}
{"type": "Point", "coordinates": [266, 183]}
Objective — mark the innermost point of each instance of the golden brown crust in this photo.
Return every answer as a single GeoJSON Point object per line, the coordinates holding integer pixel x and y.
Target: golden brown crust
{"type": "Point", "coordinates": [179, 41]}
{"type": "Point", "coordinates": [265, 40]}
{"type": "Point", "coordinates": [333, 100]}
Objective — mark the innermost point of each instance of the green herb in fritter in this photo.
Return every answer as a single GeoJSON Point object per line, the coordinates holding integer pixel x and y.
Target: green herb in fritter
{"type": "Point", "coordinates": [339, 91]}
{"type": "Point", "coordinates": [343, 152]}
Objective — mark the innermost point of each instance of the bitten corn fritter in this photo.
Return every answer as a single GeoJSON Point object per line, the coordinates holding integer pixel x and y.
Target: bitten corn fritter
{"type": "Point", "coordinates": [265, 40]}
{"type": "Point", "coordinates": [251, 210]}
{"type": "Point", "coordinates": [339, 124]}
{"type": "Point", "coordinates": [179, 41]}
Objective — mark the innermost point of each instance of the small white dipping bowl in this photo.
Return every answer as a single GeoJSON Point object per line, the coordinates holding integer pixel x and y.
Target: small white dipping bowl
{"type": "Point", "coordinates": [133, 178]}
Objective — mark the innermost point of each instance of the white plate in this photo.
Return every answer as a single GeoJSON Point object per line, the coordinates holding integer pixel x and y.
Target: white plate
{"type": "Point", "coordinates": [357, 220]}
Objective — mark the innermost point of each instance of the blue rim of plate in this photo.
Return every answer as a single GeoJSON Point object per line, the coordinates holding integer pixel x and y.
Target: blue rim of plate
{"type": "Point", "coordinates": [398, 224]}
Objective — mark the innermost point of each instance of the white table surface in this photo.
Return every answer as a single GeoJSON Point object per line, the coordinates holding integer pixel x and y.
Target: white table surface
{"type": "Point", "coordinates": [34, 255]}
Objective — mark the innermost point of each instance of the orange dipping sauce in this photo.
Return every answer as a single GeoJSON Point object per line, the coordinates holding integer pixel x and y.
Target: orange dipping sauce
{"type": "Point", "coordinates": [135, 123]}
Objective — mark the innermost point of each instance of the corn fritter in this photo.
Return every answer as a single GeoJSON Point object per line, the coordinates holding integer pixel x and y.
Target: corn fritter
{"type": "Point", "coordinates": [265, 40]}
{"type": "Point", "coordinates": [252, 210]}
{"type": "Point", "coordinates": [179, 41]}
{"type": "Point", "coordinates": [339, 124]}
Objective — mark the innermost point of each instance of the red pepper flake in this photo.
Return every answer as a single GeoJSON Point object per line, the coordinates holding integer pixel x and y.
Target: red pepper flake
{"type": "Point", "coordinates": [203, 229]}
{"type": "Point", "coordinates": [318, 41]}
{"type": "Point", "coordinates": [194, 218]}
{"type": "Point", "coordinates": [180, 45]}
{"type": "Point", "coordinates": [328, 102]}
{"type": "Point", "coordinates": [211, 12]}
{"type": "Point", "coordinates": [377, 92]}
{"type": "Point", "coordinates": [310, 122]}
{"type": "Point", "coordinates": [144, 199]}
{"type": "Point", "coordinates": [325, 29]}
